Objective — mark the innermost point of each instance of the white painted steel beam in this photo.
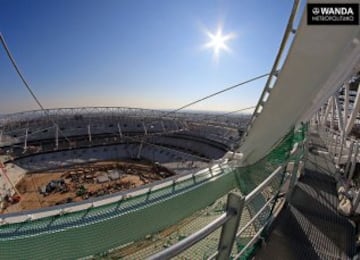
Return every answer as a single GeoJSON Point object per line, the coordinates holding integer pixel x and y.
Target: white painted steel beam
{"type": "Point", "coordinates": [346, 102]}
{"type": "Point", "coordinates": [327, 112]}
{"type": "Point", "coordinates": [354, 112]}
{"type": "Point", "coordinates": [319, 61]}
{"type": "Point", "coordinates": [338, 113]}
{"type": "Point", "coordinates": [333, 108]}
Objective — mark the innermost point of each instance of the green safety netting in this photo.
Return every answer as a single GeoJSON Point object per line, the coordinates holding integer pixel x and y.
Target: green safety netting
{"type": "Point", "coordinates": [96, 230]}
{"type": "Point", "coordinates": [250, 177]}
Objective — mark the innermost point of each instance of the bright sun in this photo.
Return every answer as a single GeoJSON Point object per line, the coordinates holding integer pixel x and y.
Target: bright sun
{"type": "Point", "coordinates": [218, 41]}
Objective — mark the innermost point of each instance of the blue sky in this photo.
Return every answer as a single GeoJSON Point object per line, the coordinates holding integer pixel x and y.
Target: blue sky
{"type": "Point", "coordinates": [145, 53]}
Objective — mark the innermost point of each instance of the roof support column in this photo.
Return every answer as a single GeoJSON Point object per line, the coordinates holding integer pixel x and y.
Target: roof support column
{"type": "Point", "coordinates": [89, 133]}
{"type": "Point", "coordinates": [57, 137]}
{"type": "Point", "coordinates": [145, 129]}
{"type": "Point", "coordinates": [26, 139]}
{"type": "Point", "coordinates": [140, 149]}
{"type": "Point", "coordinates": [163, 126]}
{"type": "Point", "coordinates": [354, 112]}
{"type": "Point", "coordinates": [120, 132]}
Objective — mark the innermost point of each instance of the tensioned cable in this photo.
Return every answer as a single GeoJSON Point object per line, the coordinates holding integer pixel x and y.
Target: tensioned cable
{"type": "Point", "coordinates": [217, 93]}
{"type": "Point", "coordinates": [13, 62]}
{"type": "Point", "coordinates": [170, 112]}
{"type": "Point", "coordinates": [239, 110]}
{"type": "Point", "coordinates": [231, 112]}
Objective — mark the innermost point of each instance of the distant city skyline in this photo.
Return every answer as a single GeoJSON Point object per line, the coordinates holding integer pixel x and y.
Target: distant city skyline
{"type": "Point", "coordinates": [145, 54]}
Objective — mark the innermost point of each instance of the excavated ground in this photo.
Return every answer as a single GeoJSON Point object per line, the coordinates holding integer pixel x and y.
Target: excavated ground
{"type": "Point", "coordinates": [81, 182]}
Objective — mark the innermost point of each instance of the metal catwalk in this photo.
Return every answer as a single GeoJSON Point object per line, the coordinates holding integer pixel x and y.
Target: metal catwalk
{"type": "Point", "coordinates": [309, 227]}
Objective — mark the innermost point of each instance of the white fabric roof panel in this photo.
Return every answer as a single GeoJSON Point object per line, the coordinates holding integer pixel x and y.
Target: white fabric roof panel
{"type": "Point", "coordinates": [320, 59]}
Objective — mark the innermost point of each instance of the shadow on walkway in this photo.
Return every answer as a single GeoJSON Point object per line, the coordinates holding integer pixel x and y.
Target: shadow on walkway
{"type": "Point", "coordinates": [309, 227]}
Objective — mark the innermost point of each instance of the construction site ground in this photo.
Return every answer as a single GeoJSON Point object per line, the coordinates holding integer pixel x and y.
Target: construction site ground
{"type": "Point", "coordinates": [82, 182]}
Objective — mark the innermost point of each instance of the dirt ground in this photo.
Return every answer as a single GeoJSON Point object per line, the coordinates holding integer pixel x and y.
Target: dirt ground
{"type": "Point", "coordinates": [82, 182]}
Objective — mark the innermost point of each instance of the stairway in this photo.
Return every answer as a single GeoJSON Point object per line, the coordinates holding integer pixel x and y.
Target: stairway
{"type": "Point", "coordinates": [309, 227]}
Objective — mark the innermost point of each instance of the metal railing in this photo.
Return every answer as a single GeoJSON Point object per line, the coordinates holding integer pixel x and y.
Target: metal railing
{"type": "Point", "coordinates": [230, 220]}
{"type": "Point", "coordinates": [29, 215]}
{"type": "Point", "coordinates": [234, 207]}
{"type": "Point", "coordinates": [345, 151]}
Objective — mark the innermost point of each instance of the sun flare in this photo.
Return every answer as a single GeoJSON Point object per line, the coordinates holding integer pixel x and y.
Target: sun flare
{"type": "Point", "coordinates": [218, 41]}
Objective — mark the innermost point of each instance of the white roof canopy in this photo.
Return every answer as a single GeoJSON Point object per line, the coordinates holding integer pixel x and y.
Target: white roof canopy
{"type": "Point", "coordinates": [321, 58]}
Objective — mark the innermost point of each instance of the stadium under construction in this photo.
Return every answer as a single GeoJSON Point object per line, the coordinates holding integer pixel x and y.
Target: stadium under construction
{"type": "Point", "coordinates": [131, 183]}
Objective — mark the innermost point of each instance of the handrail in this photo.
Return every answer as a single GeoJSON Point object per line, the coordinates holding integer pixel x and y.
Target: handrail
{"type": "Point", "coordinates": [255, 216]}
{"type": "Point", "coordinates": [254, 192]}
{"type": "Point", "coordinates": [196, 237]}
{"type": "Point", "coordinates": [18, 217]}
{"type": "Point", "coordinates": [205, 231]}
{"type": "Point", "coordinates": [250, 242]}
{"type": "Point", "coordinates": [192, 239]}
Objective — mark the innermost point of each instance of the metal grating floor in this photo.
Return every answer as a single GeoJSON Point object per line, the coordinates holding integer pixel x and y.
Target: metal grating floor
{"type": "Point", "coordinates": [309, 226]}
